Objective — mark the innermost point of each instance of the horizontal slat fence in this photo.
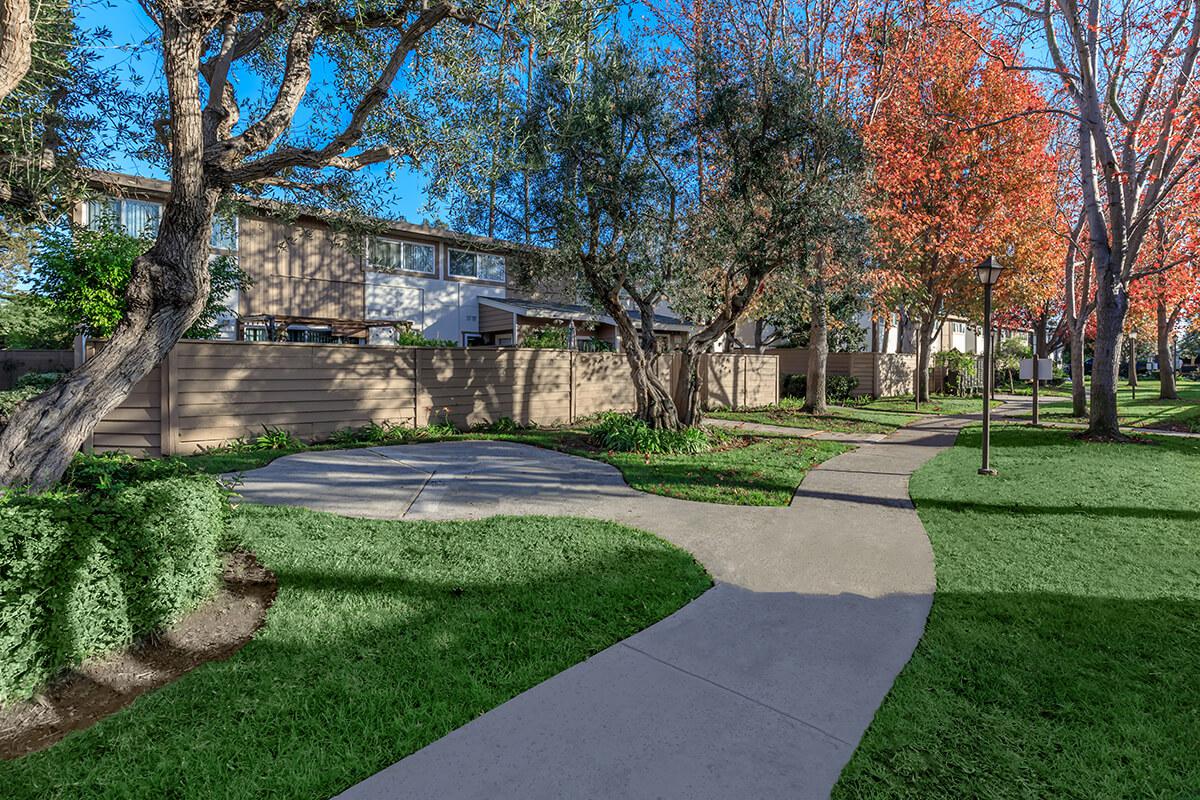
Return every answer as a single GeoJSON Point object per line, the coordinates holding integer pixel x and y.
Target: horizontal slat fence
{"type": "Point", "coordinates": [207, 393]}
{"type": "Point", "coordinates": [878, 374]}
{"type": "Point", "coordinates": [16, 363]}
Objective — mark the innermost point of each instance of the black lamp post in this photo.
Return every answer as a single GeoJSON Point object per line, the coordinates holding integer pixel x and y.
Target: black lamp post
{"type": "Point", "coordinates": [988, 273]}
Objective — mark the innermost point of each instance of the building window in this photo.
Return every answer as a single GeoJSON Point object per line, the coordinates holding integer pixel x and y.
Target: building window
{"type": "Point", "coordinates": [311, 335]}
{"type": "Point", "coordinates": [135, 217]}
{"type": "Point", "coordinates": [388, 255]}
{"type": "Point", "coordinates": [258, 333]}
{"type": "Point", "coordinates": [477, 265]}
{"type": "Point", "coordinates": [224, 234]}
{"type": "Point", "coordinates": [959, 327]}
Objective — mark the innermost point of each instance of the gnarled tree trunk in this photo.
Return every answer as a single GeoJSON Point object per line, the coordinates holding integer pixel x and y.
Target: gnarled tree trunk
{"type": "Point", "coordinates": [653, 401]}
{"type": "Point", "coordinates": [168, 289]}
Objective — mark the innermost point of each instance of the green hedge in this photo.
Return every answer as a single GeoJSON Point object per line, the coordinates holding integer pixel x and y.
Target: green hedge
{"type": "Point", "coordinates": [85, 573]}
{"type": "Point", "coordinates": [838, 388]}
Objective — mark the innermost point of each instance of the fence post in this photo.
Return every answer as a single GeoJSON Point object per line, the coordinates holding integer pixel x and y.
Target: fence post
{"type": "Point", "coordinates": [416, 374]}
{"type": "Point", "coordinates": [168, 413]}
{"type": "Point", "coordinates": [571, 390]}
{"type": "Point", "coordinates": [875, 359]}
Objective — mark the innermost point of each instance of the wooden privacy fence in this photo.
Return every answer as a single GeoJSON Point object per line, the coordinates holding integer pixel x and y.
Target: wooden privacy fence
{"type": "Point", "coordinates": [878, 374]}
{"type": "Point", "coordinates": [207, 393]}
{"type": "Point", "coordinates": [15, 363]}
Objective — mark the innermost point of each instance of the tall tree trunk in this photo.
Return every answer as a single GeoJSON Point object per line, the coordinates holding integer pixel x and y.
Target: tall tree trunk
{"type": "Point", "coordinates": [1111, 307]}
{"type": "Point", "coordinates": [1166, 364]}
{"type": "Point", "coordinates": [874, 335]}
{"type": "Point", "coordinates": [16, 44]}
{"type": "Point", "coordinates": [887, 332]}
{"type": "Point", "coordinates": [818, 351]}
{"type": "Point", "coordinates": [690, 386]}
{"type": "Point", "coordinates": [926, 333]}
{"type": "Point", "coordinates": [1040, 343]}
{"type": "Point", "coordinates": [168, 289]}
{"type": "Point", "coordinates": [1079, 406]}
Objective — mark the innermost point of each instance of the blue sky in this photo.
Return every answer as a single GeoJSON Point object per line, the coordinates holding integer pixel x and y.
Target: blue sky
{"type": "Point", "coordinates": [130, 53]}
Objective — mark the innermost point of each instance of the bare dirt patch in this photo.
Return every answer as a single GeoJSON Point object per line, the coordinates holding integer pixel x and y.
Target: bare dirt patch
{"type": "Point", "coordinates": [86, 695]}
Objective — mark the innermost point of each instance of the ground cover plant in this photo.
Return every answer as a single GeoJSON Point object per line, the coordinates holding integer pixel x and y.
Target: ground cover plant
{"type": "Point", "coordinates": [384, 636]}
{"type": "Point", "coordinates": [1147, 411]}
{"type": "Point", "coordinates": [1059, 659]}
{"type": "Point", "coordinates": [709, 466]}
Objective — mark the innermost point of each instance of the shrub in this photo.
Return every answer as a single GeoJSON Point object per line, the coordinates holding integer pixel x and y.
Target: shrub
{"type": "Point", "coordinates": [26, 386]}
{"type": "Point", "coordinates": [376, 433]}
{"type": "Point", "coordinates": [276, 439]}
{"type": "Point", "coordinates": [411, 338]}
{"type": "Point", "coordinates": [82, 573]}
{"type": "Point", "coordinates": [627, 434]}
{"type": "Point", "coordinates": [838, 388]}
{"type": "Point", "coordinates": [549, 338]}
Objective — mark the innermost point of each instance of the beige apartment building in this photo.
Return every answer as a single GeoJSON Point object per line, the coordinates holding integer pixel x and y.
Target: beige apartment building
{"type": "Point", "coordinates": [312, 281]}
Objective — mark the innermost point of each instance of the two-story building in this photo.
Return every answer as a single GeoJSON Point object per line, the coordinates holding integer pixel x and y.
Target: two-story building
{"type": "Point", "coordinates": [312, 280]}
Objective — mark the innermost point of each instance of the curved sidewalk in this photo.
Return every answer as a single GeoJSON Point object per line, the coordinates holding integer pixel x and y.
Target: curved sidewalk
{"type": "Point", "coordinates": [760, 688]}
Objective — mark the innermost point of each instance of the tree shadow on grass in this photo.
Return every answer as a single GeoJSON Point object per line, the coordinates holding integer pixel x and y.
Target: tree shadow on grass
{"type": "Point", "coordinates": [363, 661]}
{"type": "Point", "coordinates": [1040, 695]}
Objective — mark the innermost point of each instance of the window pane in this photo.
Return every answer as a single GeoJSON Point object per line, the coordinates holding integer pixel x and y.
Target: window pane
{"type": "Point", "coordinates": [103, 211]}
{"type": "Point", "coordinates": [224, 233]}
{"type": "Point", "coordinates": [384, 254]}
{"type": "Point", "coordinates": [140, 218]}
{"type": "Point", "coordinates": [418, 257]}
{"type": "Point", "coordinates": [462, 264]}
{"type": "Point", "coordinates": [492, 268]}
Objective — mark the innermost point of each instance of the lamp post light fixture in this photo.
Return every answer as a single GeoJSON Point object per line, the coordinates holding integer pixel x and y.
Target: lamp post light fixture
{"type": "Point", "coordinates": [988, 273]}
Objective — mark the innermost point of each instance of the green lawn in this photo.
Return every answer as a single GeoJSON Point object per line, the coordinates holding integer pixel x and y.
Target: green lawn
{"type": "Point", "coordinates": [1147, 411]}
{"type": "Point", "coordinates": [1060, 657]}
{"type": "Point", "coordinates": [384, 637]}
{"type": "Point", "coordinates": [877, 416]}
{"type": "Point", "coordinates": [745, 470]}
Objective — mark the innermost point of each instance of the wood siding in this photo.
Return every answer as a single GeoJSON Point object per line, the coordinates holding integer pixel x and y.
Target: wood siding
{"type": "Point", "coordinates": [493, 320]}
{"type": "Point", "coordinates": [207, 393]}
{"type": "Point", "coordinates": [300, 270]}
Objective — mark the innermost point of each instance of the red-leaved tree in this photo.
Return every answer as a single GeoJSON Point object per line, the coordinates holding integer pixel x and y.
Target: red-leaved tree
{"type": "Point", "coordinates": [959, 170]}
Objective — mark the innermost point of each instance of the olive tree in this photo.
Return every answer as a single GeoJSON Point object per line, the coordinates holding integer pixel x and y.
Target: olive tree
{"type": "Point", "coordinates": [217, 137]}
{"type": "Point", "coordinates": [598, 154]}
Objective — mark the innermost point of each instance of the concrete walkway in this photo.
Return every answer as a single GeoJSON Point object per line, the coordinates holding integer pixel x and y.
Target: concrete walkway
{"type": "Point", "coordinates": [759, 688]}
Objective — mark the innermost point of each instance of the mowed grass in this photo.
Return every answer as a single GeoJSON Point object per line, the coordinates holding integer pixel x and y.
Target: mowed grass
{"type": "Point", "coordinates": [744, 470]}
{"type": "Point", "coordinates": [884, 415]}
{"type": "Point", "coordinates": [1060, 656]}
{"type": "Point", "coordinates": [1147, 411]}
{"type": "Point", "coordinates": [384, 637]}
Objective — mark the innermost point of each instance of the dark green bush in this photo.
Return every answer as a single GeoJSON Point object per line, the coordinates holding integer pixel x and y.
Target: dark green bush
{"type": "Point", "coordinates": [82, 573]}
{"type": "Point", "coordinates": [626, 433]}
{"type": "Point", "coordinates": [838, 388]}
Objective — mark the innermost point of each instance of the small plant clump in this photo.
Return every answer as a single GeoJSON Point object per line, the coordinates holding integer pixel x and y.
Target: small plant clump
{"type": "Point", "coordinates": [627, 434]}
{"type": "Point", "coordinates": [503, 425]}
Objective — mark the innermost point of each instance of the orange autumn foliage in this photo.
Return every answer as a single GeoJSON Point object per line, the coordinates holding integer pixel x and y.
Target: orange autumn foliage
{"type": "Point", "coordinates": [961, 166]}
